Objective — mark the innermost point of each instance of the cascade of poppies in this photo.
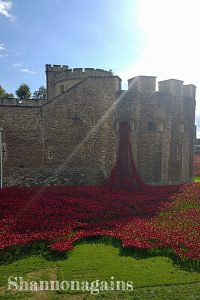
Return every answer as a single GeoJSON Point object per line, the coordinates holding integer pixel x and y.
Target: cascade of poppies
{"type": "Point", "coordinates": [124, 175]}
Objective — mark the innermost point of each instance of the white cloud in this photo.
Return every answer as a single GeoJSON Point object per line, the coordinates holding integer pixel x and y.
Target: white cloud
{"type": "Point", "coordinates": [5, 7]}
{"type": "Point", "coordinates": [27, 71]}
{"type": "Point", "coordinates": [17, 65]}
{"type": "Point", "coordinates": [3, 51]}
{"type": "Point", "coordinates": [169, 30]}
{"type": "Point", "coordinates": [2, 47]}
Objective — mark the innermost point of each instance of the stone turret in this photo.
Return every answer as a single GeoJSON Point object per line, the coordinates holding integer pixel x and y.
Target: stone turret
{"type": "Point", "coordinates": [60, 78]}
{"type": "Point", "coordinates": [142, 84]}
{"type": "Point", "coordinates": [172, 86]}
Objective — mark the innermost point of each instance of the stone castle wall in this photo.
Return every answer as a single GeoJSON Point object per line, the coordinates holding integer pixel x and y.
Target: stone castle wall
{"type": "Point", "coordinates": [163, 127]}
{"type": "Point", "coordinates": [73, 138]}
{"type": "Point", "coordinates": [82, 136]}
{"type": "Point", "coordinates": [22, 143]}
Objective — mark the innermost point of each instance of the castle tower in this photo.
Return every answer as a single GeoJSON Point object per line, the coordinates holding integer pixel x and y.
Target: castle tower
{"type": "Point", "coordinates": [178, 136]}
{"type": "Point", "coordinates": [60, 78]}
{"type": "Point", "coordinates": [162, 125]}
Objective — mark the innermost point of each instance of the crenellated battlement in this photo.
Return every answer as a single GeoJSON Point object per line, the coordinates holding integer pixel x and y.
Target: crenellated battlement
{"type": "Point", "coordinates": [175, 87]}
{"type": "Point", "coordinates": [56, 68]}
{"type": "Point", "coordinates": [77, 71]}
{"type": "Point", "coordinates": [57, 73]}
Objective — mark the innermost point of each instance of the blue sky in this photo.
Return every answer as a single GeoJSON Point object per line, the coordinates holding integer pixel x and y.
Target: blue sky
{"type": "Point", "coordinates": [100, 33]}
{"type": "Point", "coordinates": [131, 37]}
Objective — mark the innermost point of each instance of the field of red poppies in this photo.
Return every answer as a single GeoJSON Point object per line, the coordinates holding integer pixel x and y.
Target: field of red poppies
{"type": "Point", "coordinates": [165, 216]}
{"type": "Point", "coordinates": [124, 207]}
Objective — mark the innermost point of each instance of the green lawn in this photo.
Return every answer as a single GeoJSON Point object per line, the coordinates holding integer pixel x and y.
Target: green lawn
{"type": "Point", "coordinates": [153, 278]}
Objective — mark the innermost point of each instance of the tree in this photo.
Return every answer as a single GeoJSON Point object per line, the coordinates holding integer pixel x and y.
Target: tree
{"type": "Point", "coordinates": [41, 93]}
{"type": "Point", "coordinates": [4, 94]}
{"type": "Point", "coordinates": [23, 92]}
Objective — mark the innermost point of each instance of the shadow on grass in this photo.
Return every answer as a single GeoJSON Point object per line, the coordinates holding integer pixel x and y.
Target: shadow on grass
{"type": "Point", "coordinates": [18, 252]}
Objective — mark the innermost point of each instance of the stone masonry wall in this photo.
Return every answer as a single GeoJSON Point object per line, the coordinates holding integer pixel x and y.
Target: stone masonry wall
{"type": "Point", "coordinates": [162, 154]}
{"type": "Point", "coordinates": [21, 136]}
{"type": "Point", "coordinates": [79, 126]}
{"type": "Point", "coordinates": [73, 138]}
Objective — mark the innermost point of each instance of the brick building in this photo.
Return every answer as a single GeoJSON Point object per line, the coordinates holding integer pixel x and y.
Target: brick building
{"type": "Point", "coordinates": [72, 136]}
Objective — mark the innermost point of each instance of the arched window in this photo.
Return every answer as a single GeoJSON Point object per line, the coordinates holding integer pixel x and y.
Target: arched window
{"type": "Point", "coordinates": [151, 126]}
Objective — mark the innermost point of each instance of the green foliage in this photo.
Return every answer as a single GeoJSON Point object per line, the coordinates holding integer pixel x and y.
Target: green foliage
{"type": "Point", "coordinates": [23, 92]}
{"type": "Point", "coordinates": [41, 93]}
{"type": "Point", "coordinates": [4, 94]}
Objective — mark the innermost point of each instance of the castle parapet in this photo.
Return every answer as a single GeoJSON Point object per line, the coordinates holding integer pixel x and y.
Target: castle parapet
{"type": "Point", "coordinates": [22, 102]}
{"type": "Point", "coordinates": [76, 71]}
{"type": "Point", "coordinates": [60, 77]}
{"type": "Point", "coordinates": [142, 84]}
{"type": "Point", "coordinates": [56, 68]}
{"type": "Point", "coordinates": [172, 86]}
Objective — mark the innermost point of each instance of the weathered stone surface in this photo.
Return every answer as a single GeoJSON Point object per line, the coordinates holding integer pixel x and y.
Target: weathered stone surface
{"type": "Point", "coordinates": [73, 138]}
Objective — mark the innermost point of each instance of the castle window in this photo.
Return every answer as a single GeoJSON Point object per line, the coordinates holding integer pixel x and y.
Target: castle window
{"type": "Point", "coordinates": [50, 153]}
{"type": "Point", "coordinates": [4, 152]}
{"type": "Point", "coordinates": [62, 88]}
{"type": "Point", "coordinates": [91, 151]}
{"type": "Point", "coordinates": [92, 119]}
{"type": "Point", "coordinates": [151, 126]}
{"type": "Point", "coordinates": [83, 152]}
{"type": "Point", "coordinates": [77, 120]}
{"type": "Point", "coordinates": [178, 153]}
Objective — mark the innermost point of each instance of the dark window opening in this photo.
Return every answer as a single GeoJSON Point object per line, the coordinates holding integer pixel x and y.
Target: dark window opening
{"type": "Point", "coordinates": [62, 88]}
{"type": "Point", "coordinates": [4, 152]}
{"type": "Point", "coordinates": [83, 152]}
{"type": "Point", "coordinates": [50, 153]}
{"type": "Point", "coordinates": [151, 126]}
